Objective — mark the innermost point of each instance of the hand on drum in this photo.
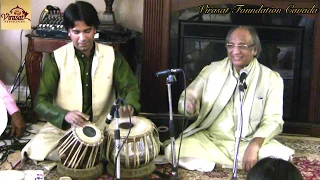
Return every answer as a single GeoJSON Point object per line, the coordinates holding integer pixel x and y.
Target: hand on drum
{"type": "Point", "coordinates": [125, 110]}
{"type": "Point", "coordinates": [77, 118]}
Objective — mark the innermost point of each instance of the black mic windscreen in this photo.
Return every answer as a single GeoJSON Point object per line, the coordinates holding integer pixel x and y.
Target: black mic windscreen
{"type": "Point", "coordinates": [168, 71]}
{"type": "Point", "coordinates": [243, 74]}
{"type": "Point", "coordinates": [164, 72]}
{"type": "Point", "coordinates": [111, 113]}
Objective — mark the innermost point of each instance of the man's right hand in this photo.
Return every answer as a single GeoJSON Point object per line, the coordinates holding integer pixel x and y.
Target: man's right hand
{"type": "Point", "coordinates": [190, 105]}
{"type": "Point", "coordinates": [77, 118]}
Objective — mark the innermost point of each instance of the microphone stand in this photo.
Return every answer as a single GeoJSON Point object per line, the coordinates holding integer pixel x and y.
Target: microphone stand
{"type": "Point", "coordinates": [171, 79]}
{"type": "Point", "coordinates": [17, 77]}
{"type": "Point", "coordinates": [238, 132]}
{"type": "Point", "coordinates": [117, 143]}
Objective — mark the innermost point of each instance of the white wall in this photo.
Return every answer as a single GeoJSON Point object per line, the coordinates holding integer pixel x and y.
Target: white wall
{"type": "Point", "coordinates": [128, 13]}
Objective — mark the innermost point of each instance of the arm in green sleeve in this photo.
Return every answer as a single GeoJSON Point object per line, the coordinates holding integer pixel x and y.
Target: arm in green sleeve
{"type": "Point", "coordinates": [47, 92]}
{"type": "Point", "coordinates": [125, 83]}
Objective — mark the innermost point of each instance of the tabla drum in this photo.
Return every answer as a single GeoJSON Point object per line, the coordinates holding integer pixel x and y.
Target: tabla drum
{"type": "Point", "coordinates": [141, 147]}
{"type": "Point", "coordinates": [80, 148]}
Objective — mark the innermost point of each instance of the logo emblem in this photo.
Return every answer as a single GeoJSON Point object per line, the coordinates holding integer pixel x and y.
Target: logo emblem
{"type": "Point", "coordinates": [15, 15]}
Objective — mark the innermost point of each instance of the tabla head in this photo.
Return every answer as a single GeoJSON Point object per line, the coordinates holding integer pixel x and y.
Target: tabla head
{"type": "Point", "coordinates": [126, 125]}
{"type": "Point", "coordinates": [89, 131]}
{"type": "Point", "coordinates": [89, 134]}
{"type": "Point", "coordinates": [138, 126]}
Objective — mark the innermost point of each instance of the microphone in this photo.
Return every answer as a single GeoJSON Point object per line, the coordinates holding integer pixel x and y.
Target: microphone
{"type": "Point", "coordinates": [168, 71]}
{"type": "Point", "coordinates": [111, 112]}
{"type": "Point", "coordinates": [243, 76]}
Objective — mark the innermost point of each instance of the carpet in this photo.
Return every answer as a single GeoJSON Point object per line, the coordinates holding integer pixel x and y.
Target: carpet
{"type": "Point", "coordinates": [306, 158]}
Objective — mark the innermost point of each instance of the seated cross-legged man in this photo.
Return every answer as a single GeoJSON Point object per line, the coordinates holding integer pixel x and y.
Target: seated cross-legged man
{"type": "Point", "coordinates": [214, 98]}
{"type": "Point", "coordinates": [79, 84]}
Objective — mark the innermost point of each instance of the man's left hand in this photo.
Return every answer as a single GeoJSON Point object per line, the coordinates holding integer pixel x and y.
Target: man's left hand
{"type": "Point", "coordinates": [124, 111]}
{"type": "Point", "coordinates": [250, 156]}
{"type": "Point", "coordinates": [17, 124]}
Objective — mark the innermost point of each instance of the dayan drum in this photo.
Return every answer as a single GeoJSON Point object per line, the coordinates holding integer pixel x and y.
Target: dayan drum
{"type": "Point", "coordinates": [141, 147]}
{"type": "Point", "coordinates": [80, 148]}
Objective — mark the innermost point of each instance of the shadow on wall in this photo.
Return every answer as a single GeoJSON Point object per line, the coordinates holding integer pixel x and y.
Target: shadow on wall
{"type": "Point", "coordinates": [10, 54]}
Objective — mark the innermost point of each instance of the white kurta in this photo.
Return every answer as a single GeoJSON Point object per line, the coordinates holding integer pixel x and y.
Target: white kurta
{"type": "Point", "coordinates": [212, 135]}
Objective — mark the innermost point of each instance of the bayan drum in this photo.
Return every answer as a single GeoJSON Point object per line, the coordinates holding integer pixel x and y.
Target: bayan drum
{"type": "Point", "coordinates": [138, 151]}
{"type": "Point", "coordinates": [80, 147]}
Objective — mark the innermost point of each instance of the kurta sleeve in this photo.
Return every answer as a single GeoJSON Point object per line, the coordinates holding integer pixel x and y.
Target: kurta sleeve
{"type": "Point", "coordinates": [47, 92]}
{"type": "Point", "coordinates": [272, 123]}
{"type": "Point", "coordinates": [8, 99]}
{"type": "Point", "coordinates": [126, 85]}
{"type": "Point", "coordinates": [194, 91]}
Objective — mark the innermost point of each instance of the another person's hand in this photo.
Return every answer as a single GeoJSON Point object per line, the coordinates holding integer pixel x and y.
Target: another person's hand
{"type": "Point", "coordinates": [250, 156]}
{"type": "Point", "coordinates": [190, 105]}
{"type": "Point", "coordinates": [125, 110]}
{"type": "Point", "coordinates": [17, 124]}
{"type": "Point", "coordinates": [77, 118]}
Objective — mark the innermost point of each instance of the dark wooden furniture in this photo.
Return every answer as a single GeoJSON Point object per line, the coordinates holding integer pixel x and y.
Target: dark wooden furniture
{"type": "Point", "coordinates": [156, 37]}
{"type": "Point", "coordinates": [37, 45]}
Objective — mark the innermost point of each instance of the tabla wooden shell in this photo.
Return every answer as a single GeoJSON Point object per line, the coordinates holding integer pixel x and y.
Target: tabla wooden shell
{"type": "Point", "coordinates": [80, 148]}
{"type": "Point", "coordinates": [141, 147]}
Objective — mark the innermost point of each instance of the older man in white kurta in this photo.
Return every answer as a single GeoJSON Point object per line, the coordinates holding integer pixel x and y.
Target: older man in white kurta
{"type": "Point", "coordinates": [214, 97]}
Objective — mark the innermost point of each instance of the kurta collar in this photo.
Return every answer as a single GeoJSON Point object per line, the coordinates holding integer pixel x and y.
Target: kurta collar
{"type": "Point", "coordinates": [79, 54]}
{"type": "Point", "coordinates": [247, 68]}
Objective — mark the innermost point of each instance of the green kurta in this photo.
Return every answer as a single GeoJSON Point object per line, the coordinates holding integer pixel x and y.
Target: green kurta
{"type": "Point", "coordinates": [124, 83]}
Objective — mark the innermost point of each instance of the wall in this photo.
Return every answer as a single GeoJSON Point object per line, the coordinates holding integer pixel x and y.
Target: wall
{"type": "Point", "coordinates": [127, 13]}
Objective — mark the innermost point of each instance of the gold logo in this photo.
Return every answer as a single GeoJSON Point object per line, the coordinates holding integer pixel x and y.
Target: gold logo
{"type": "Point", "coordinates": [15, 15]}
